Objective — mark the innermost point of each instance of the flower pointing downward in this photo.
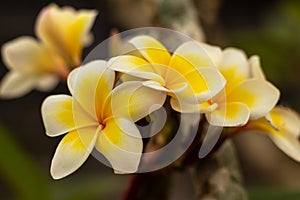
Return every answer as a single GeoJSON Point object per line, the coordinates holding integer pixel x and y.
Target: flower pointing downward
{"type": "Point", "coordinates": [93, 118]}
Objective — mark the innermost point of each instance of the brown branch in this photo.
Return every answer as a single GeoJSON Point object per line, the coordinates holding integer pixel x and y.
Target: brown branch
{"type": "Point", "coordinates": [149, 186]}
{"type": "Point", "coordinates": [218, 176]}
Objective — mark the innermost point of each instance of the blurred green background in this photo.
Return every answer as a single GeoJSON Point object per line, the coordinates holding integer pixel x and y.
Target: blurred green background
{"type": "Point", "coordinates": [270, 29]}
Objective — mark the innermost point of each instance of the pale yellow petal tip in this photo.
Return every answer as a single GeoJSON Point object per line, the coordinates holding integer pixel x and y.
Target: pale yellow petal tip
{"type": "Point", "coordinates": [288, 144]}
{"type": "Point", "coordinates": [286, 134]}
{"type": "Point", "coordinates": [47, 10]}
{"type": "Point", "coordinates": [91, 13]}
{"type": "Point", "coordinates": [255, 68]}
{"type": "Point", "coordinates": [229, 115]}
{"type": "Point", "coordinates": [125, 172]}
{"type": "Point", "coordinates": [127, 167]}
{"type": "Point", "coordinates": [4, 53]}
{"type": "Point", "coordinates": [141, 38]}
{"type": "Point", "coordinates": [57, 115]}
{"type": "Point", "coordinates": [56, 174]}
{"type": "Point", "coordinates": [234, 50]}
{"type": "Point", "coordinates": [15, 85]}
{"type": "Point", "coordinates": [12, 48]}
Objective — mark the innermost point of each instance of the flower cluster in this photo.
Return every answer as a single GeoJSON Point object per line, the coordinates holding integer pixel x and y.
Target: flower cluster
{"type": "Point", "coordinates": [100, 115]}
{"type": "Point", "coordinates": [225, 86]}
{"type": "Point", "coordinates": [39, 63]}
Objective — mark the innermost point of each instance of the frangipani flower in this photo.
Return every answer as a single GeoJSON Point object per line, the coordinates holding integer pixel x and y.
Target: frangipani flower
{"type": "Point", "coordinates": [281, 123]}
{"type": "Point", "coordinates": [244, 97]}
{"type": "Point", "coordinates": [283, 127]}
{"type": "Point", "coordinates": [35, 64]}
{"type": "Point", "coordinates": [65, 31]}
{"type": "Point", "coordinates": [188, 76]}
{"type": "Point", "coordinates": [31, 65]}
{"type": "Point", "coordinates": [97, 116]}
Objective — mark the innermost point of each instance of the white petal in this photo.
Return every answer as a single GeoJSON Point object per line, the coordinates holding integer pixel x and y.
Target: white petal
{"type": "Point", "coordinates": [73, 151]}
{"type": "Point", "coordinates": [229, 115]}
{"type": "Point", "coordinates": [255, 68]}
{"type": "Point", "coordinates": [195, 54]}
{"type": "Point", "coordinates": [87, 82]}
{"type": "Point", "coordinates": [134, 66]}
{"type": "Point", "coordinates": [127, 63]}
{"type": "Point", "coordinates": [289, 145]}
{"type": "Point", "coordinates": [27, 55]}
{"type": "Point", "coordinates": [286, 134]}
{"type": "Point", "coordinates": [47, 82]}
{"type": "Point", "coordinates": [137, 100]}
{"type": "Point", "coordinates": [57, 114]}
{"type": "Point", "coordinates": [235, 59]}
{"type": "Point", "coordinates": [121, 144]}
{"type": "Point", "coordinates": [204, 84]}
{"type": "Point", "coordinates": [15, 84]}
{"type": "Point", "coordinates": [155, 85]}
{"type": "Point", "coordinates": [65, 31]}
{"type": "Point", "coordinates": [214, 80]}
{"type": "Point", "coordinates": [20, 53]}
{"type": "Point", "coordinates": [186, 107]}
{"type": "Point", "coordinates": [151, 49]}
{"type": "Point", "coordinates": [260, 96]}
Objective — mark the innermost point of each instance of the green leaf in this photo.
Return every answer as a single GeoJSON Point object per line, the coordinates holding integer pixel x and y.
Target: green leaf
{"type": "Point", "coordinates": [20, 171]}
{"type": "Point", "coordinates": [274, 193]}
{"type": "Point", "coordinates": [89, 187]}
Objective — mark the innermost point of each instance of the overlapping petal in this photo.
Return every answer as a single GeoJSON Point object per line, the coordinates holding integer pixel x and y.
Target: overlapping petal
{"type": "Point", "coordinates": [205, 83]}
{"type": "Point", "coordinates": [234, 67]}
{"type": "Point", "coordinates": [260, 96]}
{"type": "Point", "coordinates": [190, 74]}
{"type": "Point", "coordinates": [121, 144]}
{"type": "Point", "coordinates": [94, 118]}
{"type": "Point", "coordinates": [58, 115]}
{"type": "Point", "coordinates": [196, 62]}
{"type": "Point", "coordinates": [134, 66]}
{"type": "Point", "coordinates": [229, 115]}
{"type": "Point", "coordinates": [72, 151]}
{"type": "Point", "coordinates": [152, 50]}
{"type": "Point", "coordinates": [191, 55]}
{"type": "Point", "coordinates": [90, 85]}
{"type": "Point", "coordinates": [187, 107]}
{"type": "Point", "coordinates": [245, 84]}
{"type": "Point", "coordinates": [137, 100]}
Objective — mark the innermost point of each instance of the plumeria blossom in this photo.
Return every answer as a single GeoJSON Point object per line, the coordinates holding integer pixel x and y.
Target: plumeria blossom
{"type": "Point", "coordinates": [65, 31]}
{"type": "Point", "coordinates": [189, 75]}
{"type": "Point", "coordinates": [94, 119]}
{"type": "Point", "coordinates": [38, 64]}
{"type": "Point", "coordinates": [281, 123]}
{"type": "Point", "coordinates": [244, 97]}
{"type": "Point", "coordinates": [283, 127]}
{"type": "Point", "coordinates": [31, 65]}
